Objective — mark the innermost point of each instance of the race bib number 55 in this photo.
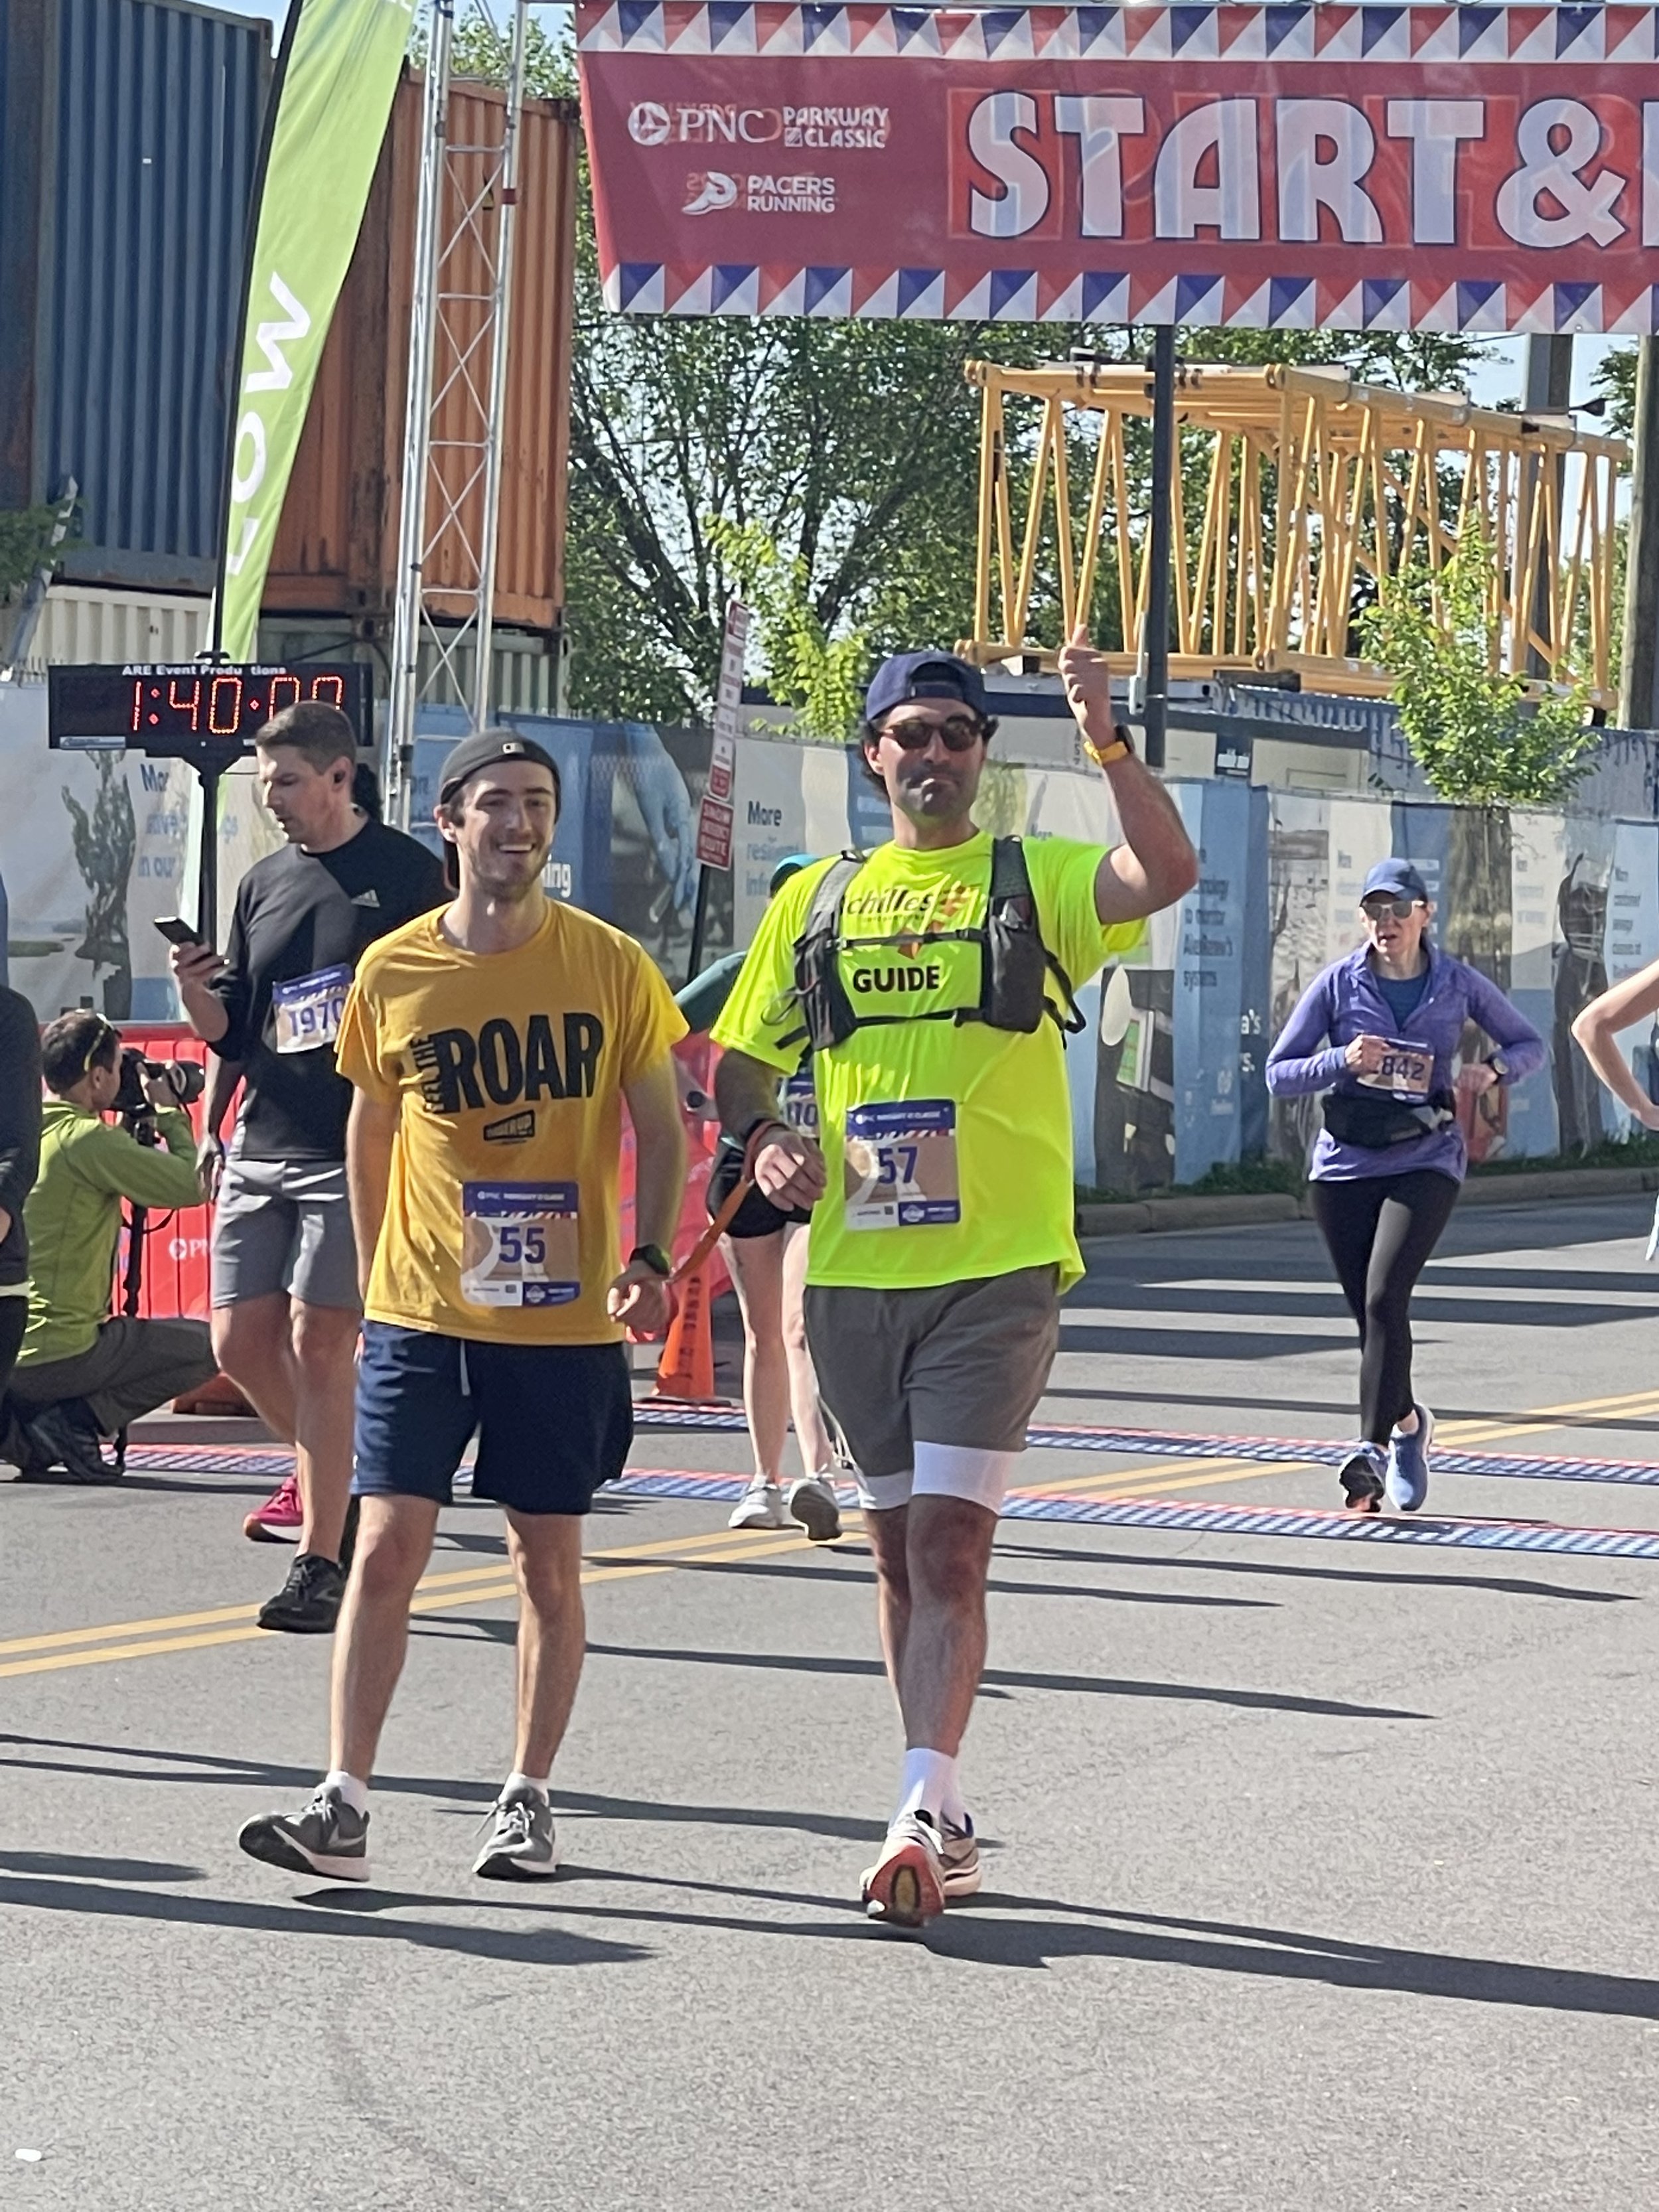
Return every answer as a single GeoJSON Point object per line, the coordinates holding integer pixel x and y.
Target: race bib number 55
{"type": "Point", "coordinates": [901, 1165]}
{"type": "Point", "coordinates": [520, 1244]}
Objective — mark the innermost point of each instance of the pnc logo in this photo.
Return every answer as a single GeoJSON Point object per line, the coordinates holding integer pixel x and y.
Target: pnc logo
{"type": "Point", "coordinates": [708, 192]}
{"type": "Point", "coordinates": [702, 123]}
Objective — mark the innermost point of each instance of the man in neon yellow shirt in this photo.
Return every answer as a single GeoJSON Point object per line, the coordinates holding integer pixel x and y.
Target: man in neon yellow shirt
{"type": "Point", "coordinates": [941, 1236]}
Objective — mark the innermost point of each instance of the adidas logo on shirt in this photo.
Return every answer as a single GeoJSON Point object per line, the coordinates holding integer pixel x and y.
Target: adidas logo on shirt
{"type": "Point", "coordinates": [370, 897]}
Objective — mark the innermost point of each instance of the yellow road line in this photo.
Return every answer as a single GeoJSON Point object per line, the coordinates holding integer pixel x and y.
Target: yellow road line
{"type": "Point", "coordinates": [436, 1592]}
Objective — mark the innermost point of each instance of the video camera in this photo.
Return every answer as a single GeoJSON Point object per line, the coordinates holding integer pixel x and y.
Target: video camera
{"type": "Point", "coordinates": [184, 1079]}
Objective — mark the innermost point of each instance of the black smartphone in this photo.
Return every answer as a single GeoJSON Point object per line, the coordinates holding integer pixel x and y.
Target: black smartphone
{"type": "Point", "coordinates": [177, 930]}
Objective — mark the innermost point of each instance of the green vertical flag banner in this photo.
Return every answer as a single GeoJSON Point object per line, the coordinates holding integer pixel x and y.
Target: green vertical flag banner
{"type": "Point", "coordinates": [334, 89]}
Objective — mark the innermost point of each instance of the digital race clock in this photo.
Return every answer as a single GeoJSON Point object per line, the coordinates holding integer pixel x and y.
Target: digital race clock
{"type": "Point", "coordinates": [208, 712]}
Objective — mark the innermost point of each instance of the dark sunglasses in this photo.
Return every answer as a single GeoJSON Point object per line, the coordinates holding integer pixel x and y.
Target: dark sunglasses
{"type": "Point", "coordinates": [959, 733]}
{"type": "Point", "coordinates": [1378, 909]}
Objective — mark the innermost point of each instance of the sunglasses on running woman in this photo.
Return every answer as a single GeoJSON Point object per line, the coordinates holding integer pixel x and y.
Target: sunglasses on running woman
{"type": "Point", "coordinates": [1382, 909]}
{"type": "Point", "coordinates": [959, 733]}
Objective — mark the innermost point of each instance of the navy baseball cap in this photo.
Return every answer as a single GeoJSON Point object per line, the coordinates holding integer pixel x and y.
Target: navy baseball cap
{"type": "Point", "coordinates": [1395, 879]}
{"type": "Point", "coordinates": [924, 676]}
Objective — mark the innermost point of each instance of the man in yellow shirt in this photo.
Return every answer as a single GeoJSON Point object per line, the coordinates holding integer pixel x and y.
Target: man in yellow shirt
{"type": "Point", "coordinates": [942, 1193]}
{"type": "Point", "coordinates": [491, 1046]}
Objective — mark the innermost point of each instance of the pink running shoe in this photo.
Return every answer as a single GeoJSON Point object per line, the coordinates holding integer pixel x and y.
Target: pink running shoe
{"type": "Point", "coordinates": [279, 1520]}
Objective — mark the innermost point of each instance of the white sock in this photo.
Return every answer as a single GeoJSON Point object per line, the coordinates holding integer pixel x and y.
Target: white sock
{"type": "Point", "coordinates": [356, 1793]}
{"type": "Point", "coordinates": [952, 1804]}
{"type": "Point", "coordinates": [929, 1777]}
{"type": "Point", "coordinates": [516, 1781]}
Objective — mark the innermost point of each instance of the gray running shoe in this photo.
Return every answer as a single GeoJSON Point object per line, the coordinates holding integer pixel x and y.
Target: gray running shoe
{"type": "Point", "coordinates": [812, 1501]}
{"type": "Point", "coordinates": [958, 1847]}
{"type": "Point", "coordinates": [328, 1838]}
{"type": "Point", "coordinates": [521, 1846]}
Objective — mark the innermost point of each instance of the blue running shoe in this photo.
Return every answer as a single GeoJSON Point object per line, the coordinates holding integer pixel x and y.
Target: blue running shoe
{"type": "Point", "coordinates": [1361, 1475]}
{"type": "Point", "coordinates": [1408, 1481]}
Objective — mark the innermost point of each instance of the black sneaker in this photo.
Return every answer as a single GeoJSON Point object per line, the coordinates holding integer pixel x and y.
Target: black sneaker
{"type": "Point", "coordinates": [1361, 1476]}
{"type": "Point", "coordinates": [308, 1603]}
{"type": "Point", "coordinates": [329, 1837]}
{"type": "Point", "coordinates": [60, 1443]}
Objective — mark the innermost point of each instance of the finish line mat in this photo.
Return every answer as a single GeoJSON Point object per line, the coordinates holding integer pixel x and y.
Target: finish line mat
{"type": "Point", "coordinates": [1171, 1444]}
{"type": "Point", "coordinates": [1430, 1530]}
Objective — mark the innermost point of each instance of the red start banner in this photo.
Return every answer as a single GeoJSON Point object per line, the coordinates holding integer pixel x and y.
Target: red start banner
{"type": "Point", "coordinates": [1449, 168]}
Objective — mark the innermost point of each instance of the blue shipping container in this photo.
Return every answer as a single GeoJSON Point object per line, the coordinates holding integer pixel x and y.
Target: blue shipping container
{"type": "Point", "coordinates": [149, 118]}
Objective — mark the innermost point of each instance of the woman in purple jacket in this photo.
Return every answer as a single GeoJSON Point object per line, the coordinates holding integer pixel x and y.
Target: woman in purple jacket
{"type": "Point", "coordinates": [1377, 1031]}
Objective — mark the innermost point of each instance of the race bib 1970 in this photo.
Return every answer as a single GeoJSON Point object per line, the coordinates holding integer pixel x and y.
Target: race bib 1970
{"type": "Point", "coordinates": [520, 1244]}
{"type": "Point", "coordinates": [901, 1165]}
{"type": "Point", "coordinates": [308, 1011]}
{"type": "Point", "coordinates": [1406, 1072]}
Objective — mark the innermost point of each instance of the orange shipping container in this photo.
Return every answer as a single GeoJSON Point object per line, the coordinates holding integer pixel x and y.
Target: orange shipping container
{"type": "Point", "coordinates": [337, 547]}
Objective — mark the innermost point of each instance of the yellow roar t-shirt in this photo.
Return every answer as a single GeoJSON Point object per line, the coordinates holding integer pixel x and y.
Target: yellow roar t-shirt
{"type": "Point", "coordinates": [948, 1145]}
{"type": "Point", "coordinates": [502, 1221]}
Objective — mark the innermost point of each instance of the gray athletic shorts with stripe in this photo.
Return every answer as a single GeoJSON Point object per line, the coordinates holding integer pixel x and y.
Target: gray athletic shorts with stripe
{"type": "Point", "coordinates": [284, 1225]}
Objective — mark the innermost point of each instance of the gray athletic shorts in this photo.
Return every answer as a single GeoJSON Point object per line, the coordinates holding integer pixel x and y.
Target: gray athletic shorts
{"type": "Point", "coordinates": [284, 1225]}
{"type": "Point", "coordinates": [962, 1365]}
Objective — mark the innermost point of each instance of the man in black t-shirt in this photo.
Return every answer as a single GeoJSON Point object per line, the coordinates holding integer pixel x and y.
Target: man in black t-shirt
{"type": "Point", "coordinates": [285, 1302]}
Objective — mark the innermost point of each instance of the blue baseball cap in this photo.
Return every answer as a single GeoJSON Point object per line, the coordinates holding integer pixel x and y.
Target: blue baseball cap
{"type": "Point", "coordinates": [924, 676]}
{"type": "Point", "coordinates": [1395, 879]}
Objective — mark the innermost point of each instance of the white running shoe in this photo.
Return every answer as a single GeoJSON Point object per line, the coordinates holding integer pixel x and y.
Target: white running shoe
{"type": "Point", "coordinates": [812, 1501]}
{"type": "Point", "coordinates": [906, 1886]}
{"type": "Point", "coordinates": [959, 1849]}
{"type": "Point", "coordinates": [761, 1506]}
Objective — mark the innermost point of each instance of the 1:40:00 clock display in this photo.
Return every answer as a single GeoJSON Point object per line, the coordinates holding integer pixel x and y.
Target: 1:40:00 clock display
{"type": "Point", "coordinates": [153, 707]}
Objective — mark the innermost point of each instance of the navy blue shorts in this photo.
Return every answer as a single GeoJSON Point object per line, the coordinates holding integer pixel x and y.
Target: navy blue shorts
{"type": "Point", "coordinates": [553, 1420]}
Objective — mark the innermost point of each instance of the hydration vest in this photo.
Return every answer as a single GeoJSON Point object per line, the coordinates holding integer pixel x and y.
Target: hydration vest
{"type": "Point", "coordinates": [1015, 964]}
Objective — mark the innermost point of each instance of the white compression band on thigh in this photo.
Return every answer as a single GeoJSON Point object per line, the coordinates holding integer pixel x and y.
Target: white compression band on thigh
{"type": "Point", "coordinates": [964, 1471]}
{"type": "Point", "coordinates": [884, 1493]}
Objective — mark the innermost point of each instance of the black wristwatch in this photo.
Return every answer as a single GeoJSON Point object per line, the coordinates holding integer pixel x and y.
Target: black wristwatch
{"type": "Point", "coordinates": [1499, 1065]}
{"type": "Point", "coordinates": [654, 1258]}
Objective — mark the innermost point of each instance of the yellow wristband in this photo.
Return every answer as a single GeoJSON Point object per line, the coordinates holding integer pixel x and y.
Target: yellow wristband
{"type": "Point", "coordinates": [1116, 751]}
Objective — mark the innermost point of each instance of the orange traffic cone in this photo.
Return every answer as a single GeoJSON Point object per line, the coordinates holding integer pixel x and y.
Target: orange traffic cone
{"type": "Point", "coordinates": [687, 1367]}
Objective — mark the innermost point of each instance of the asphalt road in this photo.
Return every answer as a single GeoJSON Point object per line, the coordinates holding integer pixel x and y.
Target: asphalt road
{"type": "Point", "coordinates": [1323, 1873]}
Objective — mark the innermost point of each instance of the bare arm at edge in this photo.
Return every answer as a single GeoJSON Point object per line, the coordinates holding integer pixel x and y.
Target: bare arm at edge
{"type": "Point", "coordinates": [369, 1133]}
{"type": "Point", "coordinates": [639, 1295]}
{"type": "Point", "coordinates": [1154, 864]}
{"type": "Point", "coordinates": [1635, 999]}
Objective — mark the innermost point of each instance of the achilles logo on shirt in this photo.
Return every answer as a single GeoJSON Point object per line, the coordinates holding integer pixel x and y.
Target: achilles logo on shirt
{"type": "Point", "coordinates": [500, 1065]}
{"type": "Point", "coordinates": [516, 1129]}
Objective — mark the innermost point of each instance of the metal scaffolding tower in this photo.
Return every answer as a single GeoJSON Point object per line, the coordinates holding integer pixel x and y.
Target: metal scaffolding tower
{"type": "Point", "coordinates": [459, 324]}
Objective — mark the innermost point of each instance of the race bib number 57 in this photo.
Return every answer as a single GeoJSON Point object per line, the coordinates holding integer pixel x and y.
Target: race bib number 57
{"type": "Point", "coordinates": [520, 1244]}
{"type": "Point", "coordinates": [901, 1165]}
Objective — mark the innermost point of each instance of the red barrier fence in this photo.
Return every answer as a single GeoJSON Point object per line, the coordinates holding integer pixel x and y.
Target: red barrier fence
{"type": "Point", "coordinates": [175, 1275]}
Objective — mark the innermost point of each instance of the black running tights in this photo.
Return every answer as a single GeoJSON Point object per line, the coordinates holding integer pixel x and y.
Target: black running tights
{"type": "Point", "coordinates": [1380, 1232]}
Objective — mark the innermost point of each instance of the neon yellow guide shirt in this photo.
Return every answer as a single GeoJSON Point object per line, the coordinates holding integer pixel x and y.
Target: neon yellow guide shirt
{"type": "Point", "coordinates": [948, 1145]}
{"type": "Point", "coordinates": [501, 1220]}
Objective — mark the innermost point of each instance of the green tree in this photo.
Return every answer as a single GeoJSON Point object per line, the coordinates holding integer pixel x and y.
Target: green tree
{"type": "Point", "coordinates": [820, 677]}
{"type": "Point", "coordinates": [1471, 728]}
{"type": "Point", "coordinates": [25, 541]}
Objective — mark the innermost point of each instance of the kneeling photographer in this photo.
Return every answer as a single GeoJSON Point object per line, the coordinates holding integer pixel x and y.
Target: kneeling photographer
{"type": "Point", "coordinates": [83, 1374]}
